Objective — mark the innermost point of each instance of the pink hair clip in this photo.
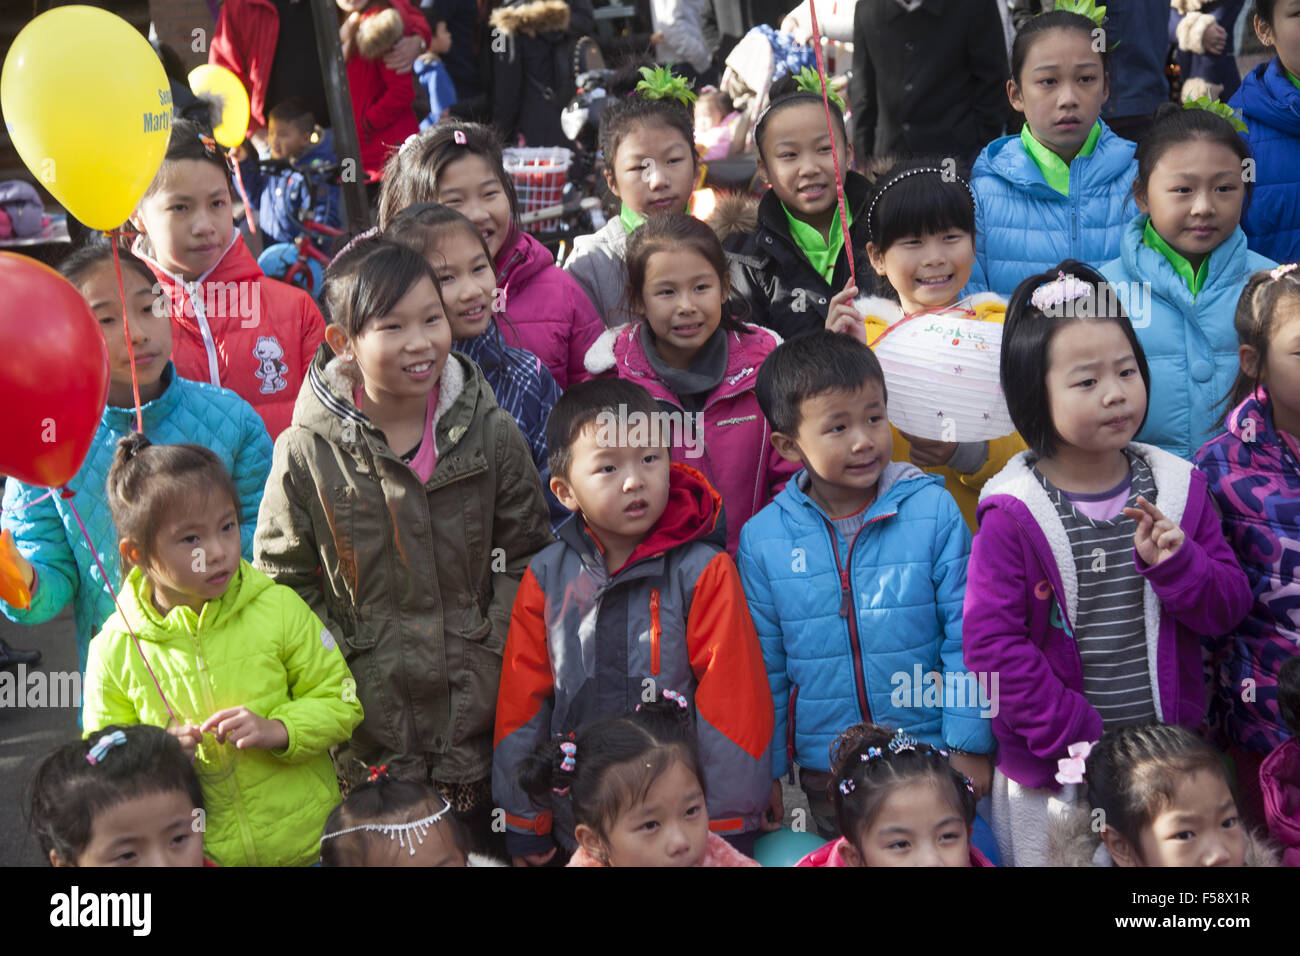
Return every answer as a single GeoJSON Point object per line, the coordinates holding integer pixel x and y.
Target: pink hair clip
{"type": "Point", "coordinates": [1070, 769]}
{"type": "Point", "coordinates": [459, 137]}
{"type": "Point", "coordinates": [676, 697]}
{"type": "Point", "coordinates": [570, 751]}
{"type": "Point", "coordinates": [1284, 269]}
{"type": "Point", "coordinates": [1059, 291]}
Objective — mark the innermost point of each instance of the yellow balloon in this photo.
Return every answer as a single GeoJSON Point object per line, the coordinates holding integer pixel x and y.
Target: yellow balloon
{"type": "Point", "coordinates": [218, 82]}
{"type": "Point", "coordinates": [89, 110]}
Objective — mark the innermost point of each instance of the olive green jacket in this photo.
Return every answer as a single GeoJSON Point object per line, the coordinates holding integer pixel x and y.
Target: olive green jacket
{"type": "Point", "coordinates": [417, 581]}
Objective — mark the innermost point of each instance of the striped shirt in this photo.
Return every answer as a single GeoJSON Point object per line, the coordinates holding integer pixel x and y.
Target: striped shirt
{"type": "Point", "coordinates": [1110, 622]}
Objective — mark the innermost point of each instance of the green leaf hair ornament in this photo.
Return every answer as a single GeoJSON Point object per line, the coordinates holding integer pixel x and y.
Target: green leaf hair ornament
{"type": "Point", "coordinates": [1218, 109]}
{"type": "Point", "coordinates": [660, 83]}
{"type": "Point", "coordinates": [808, 81]}
{"type": "Point", "coordinates": [1084, 8]}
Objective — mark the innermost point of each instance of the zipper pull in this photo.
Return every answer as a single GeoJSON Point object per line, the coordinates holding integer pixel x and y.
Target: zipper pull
{"type": "Point", "coordinates": [846, 601]}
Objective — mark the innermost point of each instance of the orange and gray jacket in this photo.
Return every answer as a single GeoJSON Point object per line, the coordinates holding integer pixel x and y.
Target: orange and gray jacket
{"type": "Point", "coordinates": [585, 644]}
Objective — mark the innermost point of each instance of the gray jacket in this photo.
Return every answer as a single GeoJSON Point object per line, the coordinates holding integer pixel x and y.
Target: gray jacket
{"type": "Point", "coordinates": [598, 263]}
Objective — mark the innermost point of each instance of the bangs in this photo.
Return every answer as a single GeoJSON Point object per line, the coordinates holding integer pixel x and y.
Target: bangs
{"type": "Point", "coordinates": [627, 785]}
{"type": "Point", "coordinates": [922, 206]}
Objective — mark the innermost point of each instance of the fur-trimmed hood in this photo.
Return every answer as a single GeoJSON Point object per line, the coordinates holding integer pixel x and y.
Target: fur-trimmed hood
{"type": "Point", "coordinates": [1071, 841]}
{"type": "Point", "coordinates": [378, 32]}
{"type": "Point", "coordinates": [532, 18]}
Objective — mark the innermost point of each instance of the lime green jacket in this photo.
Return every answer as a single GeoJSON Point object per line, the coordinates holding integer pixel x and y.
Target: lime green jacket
{"type": "Point", "coordinates": [258, 646]}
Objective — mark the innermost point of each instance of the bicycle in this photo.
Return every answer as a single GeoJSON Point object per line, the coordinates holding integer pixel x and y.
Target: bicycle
{"type": "Point", "coordinates": [302, 262]}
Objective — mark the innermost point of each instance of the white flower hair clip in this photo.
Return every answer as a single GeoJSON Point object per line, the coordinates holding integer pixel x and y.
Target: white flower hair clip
{"type": "Point", "coordinates": [1070, 769]}
{"type": "Point", "coordinates": [1064, 288]}
{"type": "Point", "coordinates": [1284, 269]}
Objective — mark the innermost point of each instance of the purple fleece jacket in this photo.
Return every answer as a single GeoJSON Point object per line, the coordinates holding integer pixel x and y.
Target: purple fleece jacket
{"type": "Point", "coordinates": [1022, 592]}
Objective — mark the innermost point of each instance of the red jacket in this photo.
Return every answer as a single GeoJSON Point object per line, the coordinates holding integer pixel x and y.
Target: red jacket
{"type": "Point", "coordinates": [236, 328]}
{"type": "Point", "coordinates": [383, 102]}
{"type": "Point", "coordinates": [244, 43]}
{"type": "Point", "coordinates": [829, 855]}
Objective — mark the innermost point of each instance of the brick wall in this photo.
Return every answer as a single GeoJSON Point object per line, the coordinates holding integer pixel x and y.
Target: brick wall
{"type": "Point", "coordinates": [175, 21]}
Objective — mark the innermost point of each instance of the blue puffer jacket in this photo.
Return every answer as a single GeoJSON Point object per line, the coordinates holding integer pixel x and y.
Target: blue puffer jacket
{"type": "Point", "coordinates": [1271, 107]}
{"type": "Point", "coordinates": [1189, 341]}
{"type": "Point", "coordinates": [1023, 225]}
{"type": "Point", "coordinates": [47, 534]}
{"type": "Point", "coordinates": [907, 570]}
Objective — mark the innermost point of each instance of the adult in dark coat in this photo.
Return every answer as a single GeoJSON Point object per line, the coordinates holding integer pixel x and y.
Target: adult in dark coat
{"type": "Point", "coordinates": [927, 81]}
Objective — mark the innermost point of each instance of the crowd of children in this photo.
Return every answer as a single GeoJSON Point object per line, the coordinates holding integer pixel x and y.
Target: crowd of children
{"type": "Point", "coordinates": [576, 566]}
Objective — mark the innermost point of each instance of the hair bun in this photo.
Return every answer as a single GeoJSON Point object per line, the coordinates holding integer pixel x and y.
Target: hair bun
{"type": "Point", "coordinates": [132, 445]}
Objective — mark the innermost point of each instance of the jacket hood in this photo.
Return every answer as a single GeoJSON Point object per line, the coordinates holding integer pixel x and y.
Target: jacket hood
{"type": "Point", "coordinates": [621, 348]}
{"type": "Point", "coordinates": [1141, 260]}
{"type": "Point", "coordinates": [326, 405]}
{"type": "Point", "coordinates": [1017, 483]}
{"type": "Point", "coordinates": [521, 258]}
{"type": "Point", "coordinates": [1071, 841]}
{"type": "Point", "coordinates": [151, 626]}
{"type": "Point", "coordinates": [899, 481]}
{"type": "Point", "coordinates": [378, 32]}
{"type": "Point", "coordinates": [1267, 96]}
{"type": "Point", "coordinates": [530, 19]}
{"type": "Point", "coordinates": [694, 513]}
{"type": "Point", "coordinates": [1006, 158]}
{"type": "Point", "coordinates": [235, 265]}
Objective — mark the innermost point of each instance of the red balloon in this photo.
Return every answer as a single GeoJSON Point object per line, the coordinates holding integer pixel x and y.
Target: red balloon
{"type": "Point", "coordinates": [53, 373]}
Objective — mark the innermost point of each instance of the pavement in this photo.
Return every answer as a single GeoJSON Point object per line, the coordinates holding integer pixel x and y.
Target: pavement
{"type": "Point", "coordinates": [28, 733]}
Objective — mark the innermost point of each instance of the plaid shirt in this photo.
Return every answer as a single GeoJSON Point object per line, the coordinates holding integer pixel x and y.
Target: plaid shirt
{"type": "Point", "coordinates": [523, 387]}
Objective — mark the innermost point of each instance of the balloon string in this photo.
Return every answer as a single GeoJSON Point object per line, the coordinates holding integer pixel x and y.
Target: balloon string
{"type": "Point", "coordinates": [67, 494]}
{"type": "Point", "coordinates": [116, 235]}
{"type": "Point", "coordinates": [248, 207]}
{"type": "Point", "coordinates": [31, 504]}
{"type": "Point", "coordinates": [835, 155]}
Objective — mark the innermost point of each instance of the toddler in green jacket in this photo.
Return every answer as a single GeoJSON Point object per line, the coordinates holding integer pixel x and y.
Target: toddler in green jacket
{"type": "Point", "coordinates": [237, 667]}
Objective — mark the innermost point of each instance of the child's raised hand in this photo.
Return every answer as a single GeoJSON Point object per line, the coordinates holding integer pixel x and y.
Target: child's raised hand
{"type": "Point", "coordinates": [189, 736]}
{"type": "Point", "coordinates": [842, 317]}
{"type": "Point", "coordinates": [245, 729]}
{"type": "Point", "coordinates": [978, 768]}
{"type": "Point", "coordinates": [1156, 537]}
{"type": "Point", "coordinates": [928, 453]}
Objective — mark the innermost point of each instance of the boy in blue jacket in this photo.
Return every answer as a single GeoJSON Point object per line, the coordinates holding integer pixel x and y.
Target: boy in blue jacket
{"type": "Point", "coordinates": [286, 195]}
{"type": "Point", "coordinates": [855, 576]}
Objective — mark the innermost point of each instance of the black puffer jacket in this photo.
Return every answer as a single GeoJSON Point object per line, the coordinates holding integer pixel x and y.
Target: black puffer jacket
{"type": "Point", "coordinates": [778, 282]}
{"type": "Point", "coordinates": [530, 66]}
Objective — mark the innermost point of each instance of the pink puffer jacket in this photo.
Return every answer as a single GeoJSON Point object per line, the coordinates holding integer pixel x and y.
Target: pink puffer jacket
{"type": "Point", "coordinates": [546, 310]}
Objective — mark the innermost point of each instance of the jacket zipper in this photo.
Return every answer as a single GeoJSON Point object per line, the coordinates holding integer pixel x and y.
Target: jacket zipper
{"type": "Point", "coordinates": [227, 771]}
{"type": "Point", "coordinates": [655, 631]}
{"type": "Point", "coordinates": [196, 302]}
{"type": "Point", "coordinates": [849, 614]}
{"type": "Point", "coordinates": [789, 733]}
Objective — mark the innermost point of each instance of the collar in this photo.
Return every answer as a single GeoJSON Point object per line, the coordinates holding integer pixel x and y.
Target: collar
{"type": "Point", "coordinates": [821, 253]}
{"type": "Point", "coordinates": [898, 8]}
{"type": "Point", "coordinates": [153, 411]}
{"type": "Point", "coordinates": [630, 219]}
{"type": "Point", "coordinates": [1055, 170]}
{"type": "Point", "coordinates": [1295, 80]}
{"type": "Point", "coordinates": [1195, 280]}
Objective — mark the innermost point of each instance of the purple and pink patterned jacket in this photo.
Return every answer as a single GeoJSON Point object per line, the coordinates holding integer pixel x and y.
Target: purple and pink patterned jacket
{"type": "Point", "coordinates": [1255, 480]}
{"type": "Point", "coordinates": [1022, 592]}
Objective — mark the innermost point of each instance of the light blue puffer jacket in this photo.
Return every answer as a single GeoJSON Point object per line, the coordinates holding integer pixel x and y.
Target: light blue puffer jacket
{"type": "Point", "coordinates": [47, 534]}
{"type": "Point", "coordinates": [907, 571]}
{"type": "Point", "coordinates": [1024, 226]}
{"type": "Point", "coordinates": [1190, 343]}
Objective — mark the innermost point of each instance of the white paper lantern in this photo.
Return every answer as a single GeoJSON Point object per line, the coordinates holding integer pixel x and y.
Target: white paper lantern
{"type": "Point", "coordinates": [941, 370]}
